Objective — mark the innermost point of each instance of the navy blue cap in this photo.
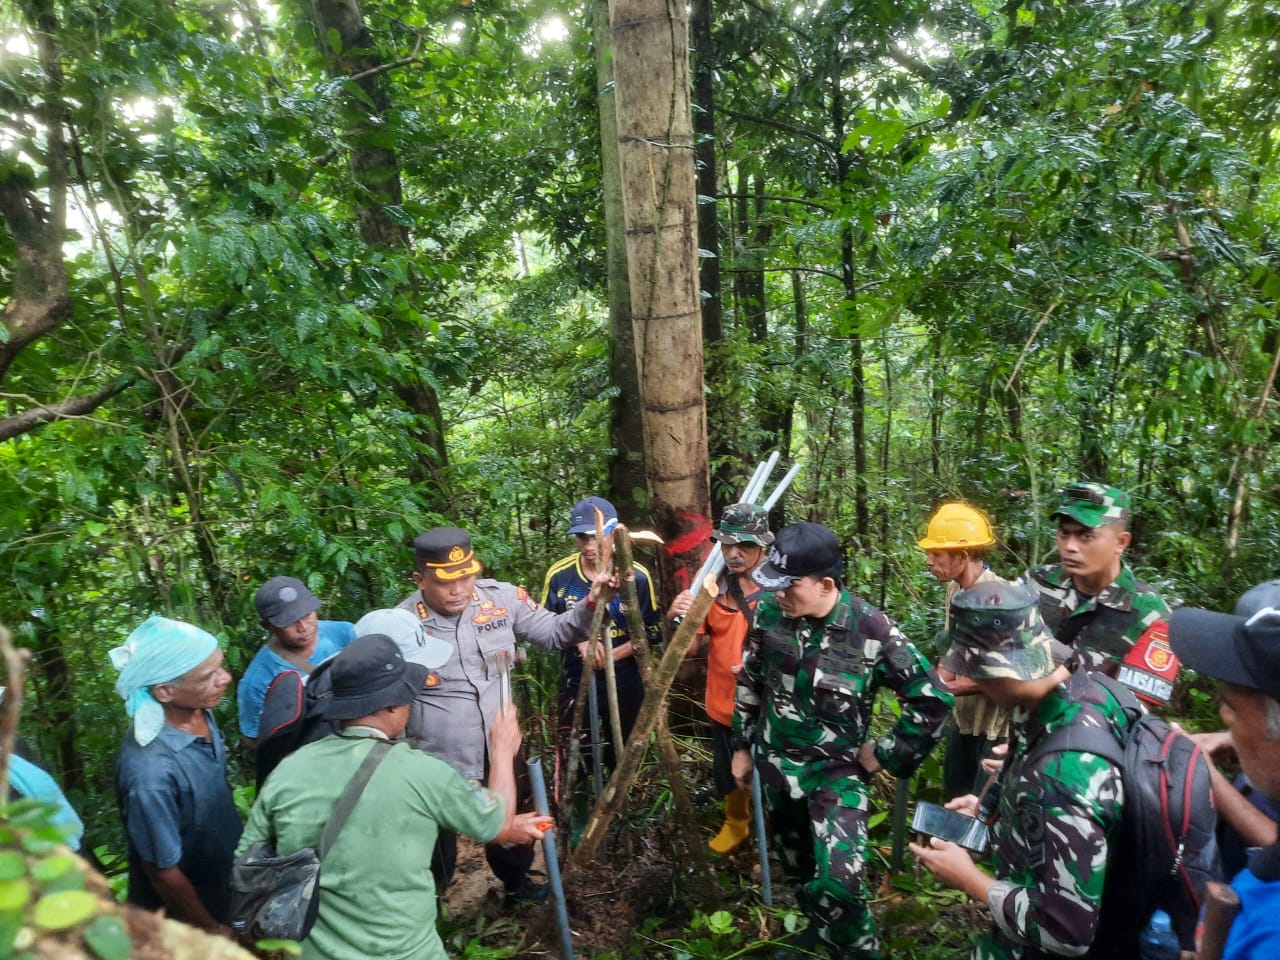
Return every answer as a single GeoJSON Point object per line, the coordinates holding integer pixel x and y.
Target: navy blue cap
{"type": "Point", "coordinates": [583, 517]}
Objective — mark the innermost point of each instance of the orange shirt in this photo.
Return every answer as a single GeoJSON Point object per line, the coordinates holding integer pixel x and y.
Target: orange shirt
{"type": "Point", "coordinates": [727, 629]}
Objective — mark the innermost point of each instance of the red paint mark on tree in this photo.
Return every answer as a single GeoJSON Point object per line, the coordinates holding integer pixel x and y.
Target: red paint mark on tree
{"type": "Point", "coordinates": [697, 531]}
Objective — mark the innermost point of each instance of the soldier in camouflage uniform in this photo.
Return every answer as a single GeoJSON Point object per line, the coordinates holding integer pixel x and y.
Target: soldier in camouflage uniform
{"type": "Point", "coordinates": [1092, 602]}
{"type": "Point", "coordinates": [1059, 812]}
{"type": "Point", "coordinates": [812, 666]}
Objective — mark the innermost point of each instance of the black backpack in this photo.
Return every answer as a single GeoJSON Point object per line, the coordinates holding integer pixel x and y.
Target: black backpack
{"type": "Point", "coordinates": [1167, 850]}
{"type": "Point", "coordinates": [288, 717]}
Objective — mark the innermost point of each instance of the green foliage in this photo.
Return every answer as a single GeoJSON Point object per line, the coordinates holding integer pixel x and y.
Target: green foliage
{"type": "Point", "coordinates": [967, 251]}
{"type": "Point", "coordinates": [42, 891]}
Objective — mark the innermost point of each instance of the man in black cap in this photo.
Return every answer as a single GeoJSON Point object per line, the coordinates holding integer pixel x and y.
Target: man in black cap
{"type": "Point", "coordinates": [377, 893]}
{"type": "Point", "coordinates": [1244, 653]}
{"type": "Point", "coordinates": [743, 535]}
{"type": "Point", "coordinates": [1246, 815]}
{"type": "Point", "coordinates": [813, 665]}
{"type": "Point", "coordinates": [297, 640]}
{"type": "Point", "coordinates": [481, 619]}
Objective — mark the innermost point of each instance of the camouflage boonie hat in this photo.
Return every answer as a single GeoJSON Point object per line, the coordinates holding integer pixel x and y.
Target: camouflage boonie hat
{"type": "Point", "coordinates": [997, 634]}
{"type": "Point", "coordinates": [743, 523]}
{"type": "Point", "coordinates": [1093, 504]}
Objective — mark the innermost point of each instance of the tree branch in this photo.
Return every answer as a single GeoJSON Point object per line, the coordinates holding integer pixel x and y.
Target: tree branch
{"type": "Point", "coordinates": [825, 208]}
{"type": "Point", "coordinates": [786, 127]}
{"type": "Point", "coordinates": [36, 417]}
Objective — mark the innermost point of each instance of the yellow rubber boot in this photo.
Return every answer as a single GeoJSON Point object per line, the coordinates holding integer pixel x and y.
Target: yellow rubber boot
{"type": "Point", "coordinates": [737, 822]}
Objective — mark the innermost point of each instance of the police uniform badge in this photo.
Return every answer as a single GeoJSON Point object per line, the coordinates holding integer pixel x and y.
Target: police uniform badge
{"type": "Point", "coordinates": [523, 596]}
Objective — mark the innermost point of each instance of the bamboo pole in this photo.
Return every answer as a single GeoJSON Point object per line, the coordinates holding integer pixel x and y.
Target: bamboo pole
{"type": "Point", "coordinates": [666, 748]}
{"type": "Point", "coordinates": [579, 712]}
{"type": "Point", "coordinates": [604, 561]}
{"type": "Point", "coordinates": [655, 704]}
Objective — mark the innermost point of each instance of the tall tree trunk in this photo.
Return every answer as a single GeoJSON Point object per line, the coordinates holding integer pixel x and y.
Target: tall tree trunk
{"type": "Point", "coordinates": [1093, 454]}
{"type": "Point", "coordinates": [937, 395]}
{"type": "Point", "coordinates": [704, 128]}
{"type": "Point", "coordinates": [655, 150]}
{"type": "Point", "coordinates": [849, 325]}
{"type": "Point", "coordinates": [626, 468]}
{"type": "Point", "coordinates": [726, 457]}
{"type": "Point", "coordinates": [376, 172]}
{"type": "Point", "coordinates": [53, 683]}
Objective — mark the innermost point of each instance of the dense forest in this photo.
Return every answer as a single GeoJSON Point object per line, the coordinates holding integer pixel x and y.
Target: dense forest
{"type": "Point", "coordinates": [285, 284]}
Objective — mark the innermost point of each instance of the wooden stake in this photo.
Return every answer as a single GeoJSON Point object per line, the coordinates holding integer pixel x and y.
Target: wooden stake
{"type": "Point", "coordinates": [655, 704]}
{"type": "Point", "coordinates": [604, 561]}
{"type": "Point", "coordinates": [666, 749]}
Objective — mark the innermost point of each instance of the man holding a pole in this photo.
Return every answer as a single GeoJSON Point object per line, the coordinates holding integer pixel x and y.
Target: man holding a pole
{"type": "Point", "coordinates": [743, 534]}
{"type": "Point", "coordinates": [481, 619]}
{"type": "Point", "coordinates": [813, 664]}
{"type": "Point", "coordinates": [568, 583]}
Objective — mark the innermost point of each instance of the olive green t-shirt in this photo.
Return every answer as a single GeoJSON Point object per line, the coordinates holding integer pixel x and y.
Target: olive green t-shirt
{"type": "Point", "coordinates": [377, 897]}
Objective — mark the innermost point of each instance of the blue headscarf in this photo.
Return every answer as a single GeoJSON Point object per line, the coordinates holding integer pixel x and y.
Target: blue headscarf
{"type": "Point", "coordinates": [159, 651]}
{"type": "Point", "coordinates": [32, 782]}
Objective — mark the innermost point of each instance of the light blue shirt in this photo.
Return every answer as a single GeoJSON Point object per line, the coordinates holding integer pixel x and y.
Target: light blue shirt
{"type": "Point", "coordinates": [266, 665]}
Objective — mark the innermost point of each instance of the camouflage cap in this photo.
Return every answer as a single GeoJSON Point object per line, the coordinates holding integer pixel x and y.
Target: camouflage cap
{"type": "Point", "coordinates": [997, 634]}
{"type": "Point", "coordinates": [1093, 504]}
{"type": "Point", "coordinates": [743, 523]}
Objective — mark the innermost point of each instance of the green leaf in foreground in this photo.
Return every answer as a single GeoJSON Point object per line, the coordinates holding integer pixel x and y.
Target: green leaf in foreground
{"type": "Point", "coordinates": [63, 909]}
{"type": "Point", "coordinates": [108, 939]}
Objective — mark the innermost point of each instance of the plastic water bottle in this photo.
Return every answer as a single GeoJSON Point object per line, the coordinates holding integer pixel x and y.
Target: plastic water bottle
{"type": "Point", "coordinates": [1158, 941]}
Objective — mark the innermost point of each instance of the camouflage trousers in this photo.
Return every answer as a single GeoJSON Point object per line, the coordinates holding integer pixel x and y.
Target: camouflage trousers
{"type": "Point", "coordinates": [822, 845]}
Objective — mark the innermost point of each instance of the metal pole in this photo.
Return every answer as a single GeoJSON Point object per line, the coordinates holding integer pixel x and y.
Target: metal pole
{"type": "Point", "coordinates": [901, 796]}
{"type": "Point", "coordinates": [762, 846]}
{"type": "Point", "coordinates": [597, 749]}
{"type": "Point", "coordinates": [551, 858]}
{"type": "Point", "coordinates": [781, 488]}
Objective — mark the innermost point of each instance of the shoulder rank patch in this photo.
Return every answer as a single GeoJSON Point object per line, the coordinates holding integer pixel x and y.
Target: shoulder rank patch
{"type": "Point", "coordinates": [423, 613]}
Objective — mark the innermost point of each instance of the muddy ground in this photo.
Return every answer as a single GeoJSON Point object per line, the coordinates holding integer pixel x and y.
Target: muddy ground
{"type": "Point", "coordinates": [643, 903]}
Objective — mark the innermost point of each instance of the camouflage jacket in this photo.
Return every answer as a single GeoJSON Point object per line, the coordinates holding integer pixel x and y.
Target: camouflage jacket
{"type": "Point", "coordinates": [807, 688]}
{"type": "Point", "coordinates": [1101, 629]}
{"type": "Point", "coordinates": [1057, 818]}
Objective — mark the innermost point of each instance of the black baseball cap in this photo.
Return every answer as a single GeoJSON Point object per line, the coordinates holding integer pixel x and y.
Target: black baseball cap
{"type": "Point", "coordinates": [1265, 594]}
{"type": "Point", "coordinates": [368, 675]}
{"type": "Point", "coordinates": [282, 601]}
{"type": "Point", "coordinates": [800, 550]}
{"type": "Point", "coordinates": [1244, 651]}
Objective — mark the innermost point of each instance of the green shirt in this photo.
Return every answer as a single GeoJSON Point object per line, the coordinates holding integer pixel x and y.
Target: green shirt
{"type": "Point", "coordinates": [377, 897]}
{"type": "Point", "coordinates": [1101, 628]}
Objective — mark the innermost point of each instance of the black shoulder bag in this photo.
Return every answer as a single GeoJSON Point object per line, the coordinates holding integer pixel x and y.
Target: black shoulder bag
{"type": "Point", "coordinates": [278, 898]}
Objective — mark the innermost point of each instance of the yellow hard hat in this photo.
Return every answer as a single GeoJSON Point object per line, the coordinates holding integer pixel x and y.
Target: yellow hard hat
{"type": "Point", "coordinates": [958, 526]}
